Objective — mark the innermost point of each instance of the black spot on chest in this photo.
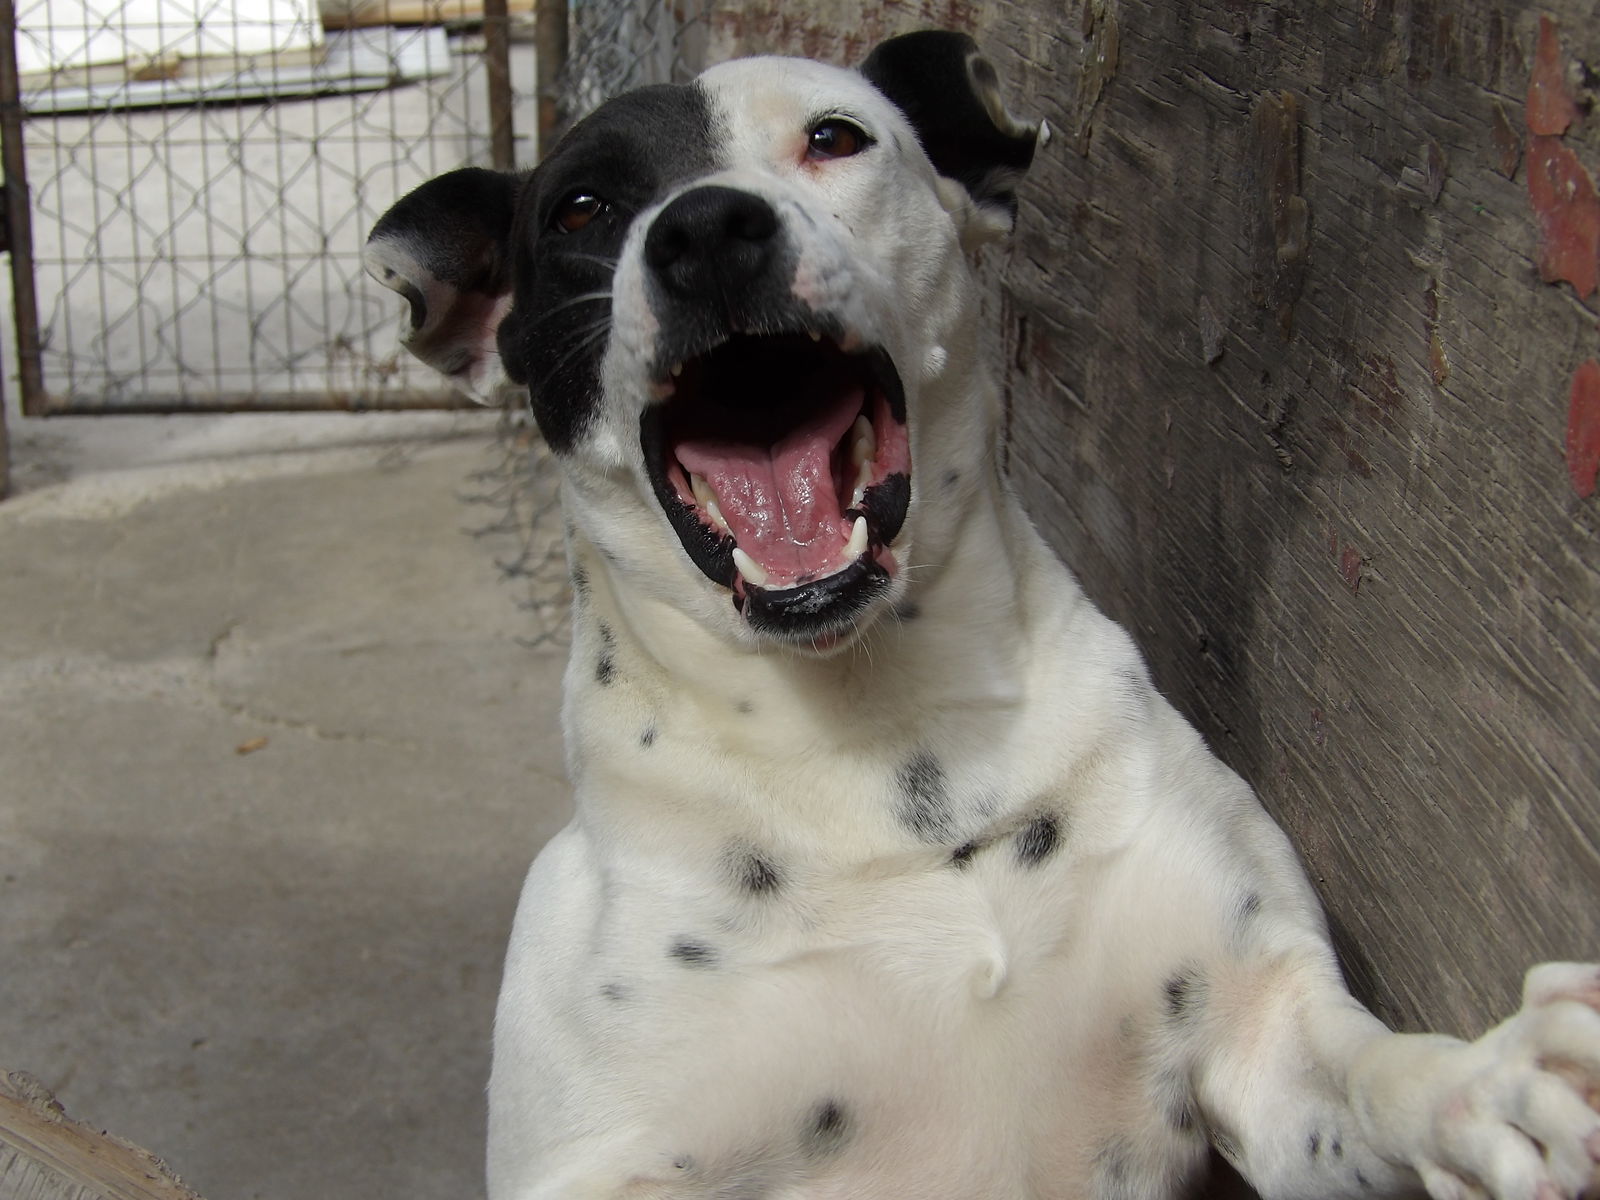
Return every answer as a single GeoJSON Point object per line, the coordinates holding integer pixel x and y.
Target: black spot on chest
{"type": "Point", "coordinates": [827, 1128]}
{"type": "Point", "coordinates": [923, 798]}
{"type": "Point", "coordinates": [605, 663]}
{"type": "Point", "coordinates": [692, 952]}
{"type": "Point", "coordinates": [757, 874]}
{"type": "Point", "coordinates": [1185, 994]}
{"type": "Point", "coordinates": [648, 737]}
{"type": "Point", "coordinates": [1039, 839]}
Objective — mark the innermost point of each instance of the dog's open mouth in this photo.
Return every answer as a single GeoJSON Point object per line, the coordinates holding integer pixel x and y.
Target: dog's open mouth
{"type": "Point", "coordinates": [783, 463]}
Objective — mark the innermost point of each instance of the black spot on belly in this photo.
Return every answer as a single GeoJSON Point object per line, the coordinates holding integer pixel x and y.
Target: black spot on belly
{"type": "Point", "coordinates": [693, 953]}
{"type": "Point", "coordinates": [1314, 1145]}
{"type": "Point", "coordinates": [1249, 906]}
{"type": "Point", "coordinates": [580, 583]}
{"type": "Point", "coordinates": [952, 478]}
{"type": "Point", "coordinates": [1185, 994]}
{"type": "Point", "coordinates": [614, 992]}
{"type": "Point", "coordinates": [1038, 840]}
{"type": "Point", "coordinates": [605, 666]}
{"type": "Point", "coordinates": [961, 856]}
{"type": "Point", "coordinates": [924, 804]}
{"type": "Point", "coordinates": [1363, 1182]}
{"type": "Point", "coordinates": [745, 708]}
{"type": "Point", "coordinates": [758, 874]}
{"type": "Point", "coordinates": [648, 737]}
{"type": "Point", "coordinates": [1336, 1148]}
{"type": "Point", "coordinates": [827, 1128]}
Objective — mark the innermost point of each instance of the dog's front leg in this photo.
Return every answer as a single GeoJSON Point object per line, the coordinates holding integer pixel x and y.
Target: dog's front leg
{"type": "Point", "coordinates": [1311, 1096]}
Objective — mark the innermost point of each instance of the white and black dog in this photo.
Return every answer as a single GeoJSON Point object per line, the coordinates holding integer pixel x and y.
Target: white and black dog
{"type": "Point", "coordinates": [892, 877]}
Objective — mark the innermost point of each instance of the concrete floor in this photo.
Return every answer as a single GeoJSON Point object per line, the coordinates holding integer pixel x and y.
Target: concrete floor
{"type": "Point", "coordinates": [274, 968]}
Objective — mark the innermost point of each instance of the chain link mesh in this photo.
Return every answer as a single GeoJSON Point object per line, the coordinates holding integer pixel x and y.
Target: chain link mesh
{"type": "Point", "coordinates": [199, 205]}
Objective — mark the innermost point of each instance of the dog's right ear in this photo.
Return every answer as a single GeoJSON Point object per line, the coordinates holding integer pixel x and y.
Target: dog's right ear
{"type": "Point", "coordinates": [951, 95]}
{"type": "Point", "coordinates": [446, 247]}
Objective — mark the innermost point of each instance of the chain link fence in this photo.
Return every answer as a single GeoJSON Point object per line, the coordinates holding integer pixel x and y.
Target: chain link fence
{"type": "Point", "coordinates": [616, 45]}
{"type": "Point", "coordinates": [203, 174]}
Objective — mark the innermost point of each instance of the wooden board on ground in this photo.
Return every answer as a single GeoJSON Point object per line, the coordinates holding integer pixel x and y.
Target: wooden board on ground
{"type": "Point", "coordinates": [45, 1155]}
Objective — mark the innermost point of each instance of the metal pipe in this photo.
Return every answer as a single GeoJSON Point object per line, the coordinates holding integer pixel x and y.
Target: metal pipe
{"type": "Point", "coordinates": [497, 64]}
{"type": "Point", "coordinates": [550, 34]}
{"type": "Point", "coordinates": [19, 217]}
{"type": "Point", "coordinates": [249, 401]}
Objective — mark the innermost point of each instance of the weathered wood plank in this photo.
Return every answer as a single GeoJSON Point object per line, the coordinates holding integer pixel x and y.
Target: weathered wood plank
{"type": "Point", "coordinates": [1289, 393]}
{"type": "Point", "coordinates": [44, 1155]}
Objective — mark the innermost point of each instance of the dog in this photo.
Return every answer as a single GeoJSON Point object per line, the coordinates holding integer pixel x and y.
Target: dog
{"type": "Point", "coordinates": [892, 875]}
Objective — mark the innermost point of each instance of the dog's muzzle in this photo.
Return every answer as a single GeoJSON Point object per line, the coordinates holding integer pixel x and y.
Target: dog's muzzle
{"type": "Point", "coordinates": [777, 446]}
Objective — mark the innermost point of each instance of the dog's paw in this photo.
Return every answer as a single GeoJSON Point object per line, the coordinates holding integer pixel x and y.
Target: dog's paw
{"type": "Point", "coordinates": [1515, 1116]}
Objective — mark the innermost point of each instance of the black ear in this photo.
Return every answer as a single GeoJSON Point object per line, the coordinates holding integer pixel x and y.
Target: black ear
{"type": "Point", "coordinates": [445, 247]}
{"type": "Point", "coordinates": [951, 95]}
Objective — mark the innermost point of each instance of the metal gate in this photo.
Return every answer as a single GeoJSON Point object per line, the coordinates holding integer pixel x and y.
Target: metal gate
{"type": "Point", "coordinates": [186, 221]}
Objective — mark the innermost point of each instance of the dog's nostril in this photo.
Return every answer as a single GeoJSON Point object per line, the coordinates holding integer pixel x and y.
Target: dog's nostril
{"type": "Point", "coordinates": [753, 223]}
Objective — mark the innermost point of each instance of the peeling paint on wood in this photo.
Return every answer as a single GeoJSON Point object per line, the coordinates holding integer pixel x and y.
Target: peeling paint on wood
{"type": "Point", "coordinates": [1563, 199]}
{"type": "Point", "coordinates": [1550, 106]}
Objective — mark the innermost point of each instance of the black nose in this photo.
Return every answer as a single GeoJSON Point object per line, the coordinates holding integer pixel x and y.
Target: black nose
{"type": "Point", "coordinates": [712, 242]}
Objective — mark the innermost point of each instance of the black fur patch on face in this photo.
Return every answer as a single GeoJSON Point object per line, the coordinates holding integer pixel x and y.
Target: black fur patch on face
{"type": "Point", "coordinates": [1039, 839]}
{"type": "Point", "coordinates": [758, 874]}
{"type": "Point", "coordinates": [627, 154]}
{"type": "Point", "coordinates": [1185, 993]}
{"type": "Point", "coordinates": [924, 805]}
{"type": "Point", "coordinates": [827, 1128]}
{"type": "Point", "coordinates": [693, 953]}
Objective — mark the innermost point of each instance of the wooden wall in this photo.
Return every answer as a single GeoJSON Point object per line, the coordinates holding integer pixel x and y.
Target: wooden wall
{"type": "Point", "coordinates": [1293, 333]}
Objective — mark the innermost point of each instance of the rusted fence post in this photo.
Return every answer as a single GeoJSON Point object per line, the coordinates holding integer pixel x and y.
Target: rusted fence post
{"type": "Point", "coordinates": [550, 34]}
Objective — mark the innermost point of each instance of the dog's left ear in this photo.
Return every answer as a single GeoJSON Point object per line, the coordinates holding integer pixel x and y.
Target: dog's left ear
{"type": "Point", "coordinates": [951, 95]}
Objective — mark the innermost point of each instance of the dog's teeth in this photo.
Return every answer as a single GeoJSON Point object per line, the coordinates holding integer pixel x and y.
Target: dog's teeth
{"type": "Point", "coordinates": [716, 515]}
{"type": "Point", "coordinates": [857, 545]}
{"type": "Point", "coordinates": [816, 334]}
{"type": "Point", "coordinates": [752, 571]}
{"type": "Point", "coordinates": [850, 342]}
{"type": "Point", "coordinates": [863, 445]}
{"type": "Point", "coordinates": [677, 369]}
{"type": "Point", "coordinates": [703, 495]}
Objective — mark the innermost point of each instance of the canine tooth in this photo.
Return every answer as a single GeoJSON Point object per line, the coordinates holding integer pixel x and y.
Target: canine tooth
{"type": "Point", "coordinates": [857, 545]}
{"type": "Point", "coordinates": [703, 495]}
{"type": "Point", "coordinates": [677, 369]}
{"type": "Point", "coordinates": [816, 334]}
{"type": "Point", "coordinates": [716, 515]}
{"type": "Point", "coordinates": [752, 571]}
{"type": "Point", "coordinates": [864, 445]}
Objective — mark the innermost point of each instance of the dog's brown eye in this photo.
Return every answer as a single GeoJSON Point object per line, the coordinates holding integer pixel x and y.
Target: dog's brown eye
{"type": "Point", "coordinates": [576, 211]}
{"type": "Point", "coordinates": [837, 138]}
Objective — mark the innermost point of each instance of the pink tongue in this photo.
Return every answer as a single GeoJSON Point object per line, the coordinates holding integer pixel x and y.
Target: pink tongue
{"type": "Point", "coordinates": [781, 503]}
